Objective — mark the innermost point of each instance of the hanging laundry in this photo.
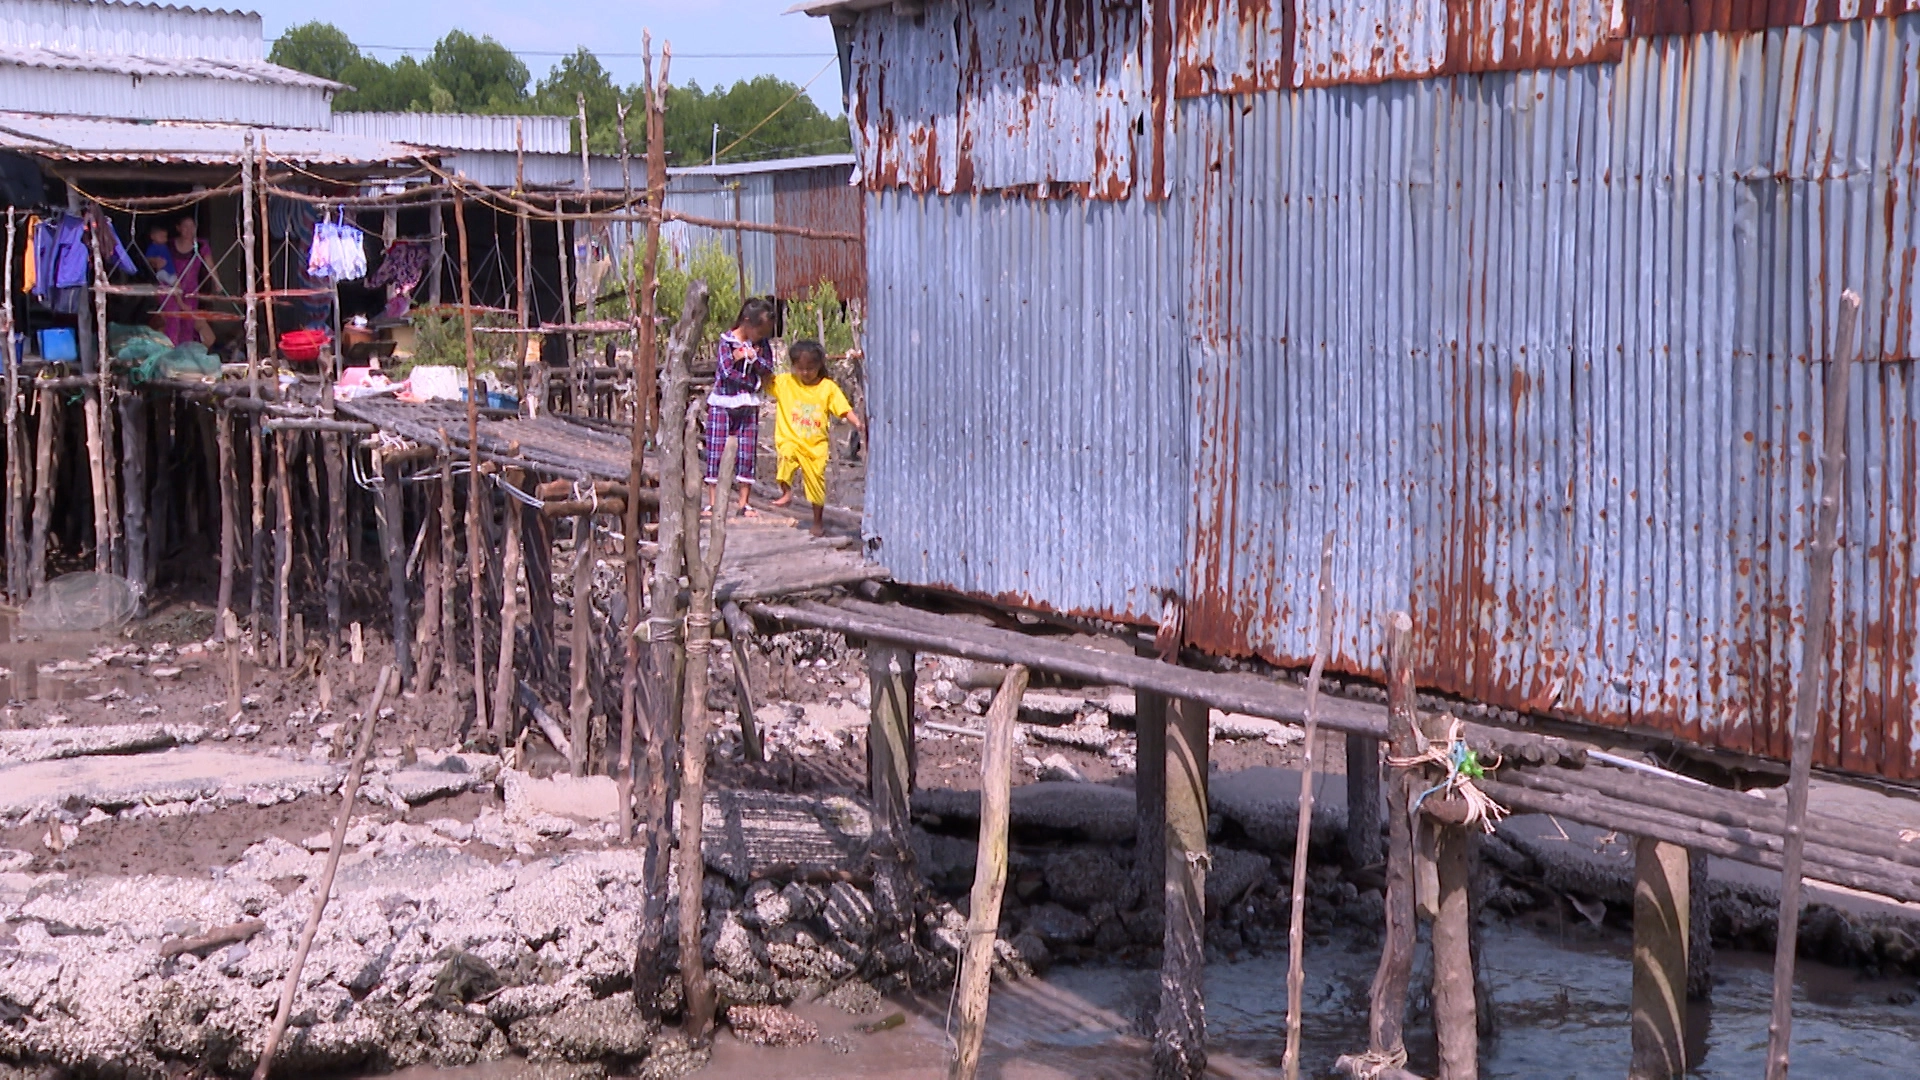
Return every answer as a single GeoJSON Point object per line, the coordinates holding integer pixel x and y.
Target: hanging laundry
{"type": "Point", "coordinates": [593, 264]}
{"type": "Point", "coordinates": [403, 267]}
{"type": "Point", "coordinates": [339, 252]}
{"type": "Point", "coordinates": [63, 264]}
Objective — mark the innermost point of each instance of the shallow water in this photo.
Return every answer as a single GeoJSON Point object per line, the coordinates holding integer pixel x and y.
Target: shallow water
{"type": "Point", "coordinates": [1561, 1000]}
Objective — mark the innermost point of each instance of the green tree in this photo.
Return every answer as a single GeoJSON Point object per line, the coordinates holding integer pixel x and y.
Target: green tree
{"type": "Point", "coordinates": [480, 75]}
{"type": "Point", "coordinates": [316, 48]}
{"type": "Point", "coordinates": [581, 73]}
{"type": "Point", "coordinates": [759, 118]}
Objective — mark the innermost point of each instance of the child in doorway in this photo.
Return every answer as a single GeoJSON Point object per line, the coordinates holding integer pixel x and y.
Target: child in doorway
{"type": "Point", "coordinates": [806, 403]}
{"type": "Point", "coordinates": [733, 408]}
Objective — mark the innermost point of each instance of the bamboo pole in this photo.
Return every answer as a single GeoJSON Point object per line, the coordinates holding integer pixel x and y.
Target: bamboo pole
{"type": "Point", "coordinates": [503, 686]}
{"type": "Point", "coordinates": [1180, 1030]}
{"type": "Point", "coordinates": [989, 873]}
{"type": "Point", "coordinates": [263, 224]}
{"type": "Point", "coordinates": [392, 514]}
{"type": "Point", "coordinates": [291, 984]}
{"type": "Point", "coordinates": [1813, 683]}
{"type": "Point", "coordinates": [1296, 926]}
{"type": "Point", "coordinates": [476, 550]}
{"type": "Point", "coordinates": [630, 557]}
{"type": "Point", "coordinates": [1455, 1010]}
{"type": "Point", "coordinates": [701, 570]}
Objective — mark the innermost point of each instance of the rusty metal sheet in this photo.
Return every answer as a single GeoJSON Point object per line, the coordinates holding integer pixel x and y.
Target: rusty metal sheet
{"type": "Point", "coordinates": [1043, 96]}
{"type": "Point", "coordinates": [819, 199]}
{"type": "Point", "coordinates": [1545, 352]}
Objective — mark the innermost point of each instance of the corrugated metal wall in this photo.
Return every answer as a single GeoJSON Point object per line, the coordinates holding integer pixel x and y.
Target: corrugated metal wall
{"type": "Point", "coordinates": [725, 198]}
{"type": "Point", "coordinates": [1030, 427]}
{"type": "Point", "coordinates": [466, 131]}
{"type": "Point", "coordinates": [821, 200]}
{"type": "Point", "coordinates": [1542, 348]}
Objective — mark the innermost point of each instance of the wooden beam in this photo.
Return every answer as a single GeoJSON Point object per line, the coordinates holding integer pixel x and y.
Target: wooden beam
{"type": "Point", "coordinates": [1150, 794]}
{"type": "Point", "coordinates": [890, 767]}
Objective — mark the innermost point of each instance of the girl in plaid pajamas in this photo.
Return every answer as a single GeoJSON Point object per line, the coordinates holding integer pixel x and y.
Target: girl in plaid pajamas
{"type": "Point", "coordinates": [733, 408]}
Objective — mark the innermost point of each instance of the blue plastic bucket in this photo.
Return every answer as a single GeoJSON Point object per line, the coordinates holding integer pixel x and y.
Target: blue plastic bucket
{"type": "Point", "coordinates": [59, 345]}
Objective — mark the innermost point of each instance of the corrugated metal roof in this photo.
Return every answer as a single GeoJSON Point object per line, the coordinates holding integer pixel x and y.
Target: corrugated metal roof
{"type": "Point", "coordinates": [497, 168]}
{"type": "Point", "coordinates": [1544, 350]}
{"type": "Point", "coordinates": [140, 62]}
{"type": "Point", "coordinates": [772, 165]}
{"type": "Point", "coordinates": [464, 131]}
{"type": "Point", "coordinates": [822, 200]}
{"type": "Point", "coordinates": [132, 29]}
{"type": "Point", "coordinates": [73, 139]}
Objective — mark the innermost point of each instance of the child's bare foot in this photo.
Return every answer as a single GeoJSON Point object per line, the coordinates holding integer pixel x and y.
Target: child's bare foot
{"type": "Point", "coordinates": [786, 496]}
{"type": "Point", "coordinates": [819, 521]}
{"type": "Point", "coordinates": [819, 529]}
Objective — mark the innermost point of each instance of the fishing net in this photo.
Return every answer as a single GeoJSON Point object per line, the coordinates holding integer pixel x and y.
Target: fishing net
{"type": "Point", "coordinates": [86, 601]}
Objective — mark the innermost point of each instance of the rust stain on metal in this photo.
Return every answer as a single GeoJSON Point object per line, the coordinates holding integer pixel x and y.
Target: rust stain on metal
{"type": "Point", "coordinates": [819, 199]}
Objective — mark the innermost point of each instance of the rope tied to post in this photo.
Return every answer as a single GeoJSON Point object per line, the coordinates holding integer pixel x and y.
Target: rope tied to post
{"type": "Point", "coordinates": [699, 633]}
{"type": "Point", "coordinates": [1374, 1063]}
{"type": "Point", "coordinates": [661, 629]}
{"type": "Point", "coordinates": [1463, 766]}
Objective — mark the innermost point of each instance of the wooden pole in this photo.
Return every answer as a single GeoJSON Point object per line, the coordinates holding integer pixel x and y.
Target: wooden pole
{"type": "Point", "coordinates": [282, 546]}
{"type": "Point", "coordinates": [890, 767]}
{"type": "Point", "coordinates": [1150, 792]}
{"type": "Point", "coordinates": [739, 632]}
{"type": "Point", "coordinates": [701, 571]}
{"type": "Point", "coordinates": [229, 528]}
{"type": "Point", "coordinates": [1455, 1011]}
{"type": "Point", "coordinates": [503, 686]}
{"type": "Point", "coordinates": [1813, 682]}
{"type": "Point", "coordinates": [657, 774]}
{"type": "Point", "coordinates": [1363, 801]}
{"type": "Point", "coordinates": [642, 396]}
{"type": "Point", "coordinates": [1661, 910]}
{"type": "Point", "coordinates": [436, 251]}
{"type": "Point", "coordinates": [1387, 999]}
{"type": "Point", "coordinates": [16, 446]}
{"type": "Point", "coordinates": [43, 467]}
{"type": "Point", "coordinates": [263, 225]}
{"type": "Point", "coordinates": [989, 874]}
{"type": "Point", "coordinates": [291, 985]}
{"type": "Point", "coordinates": [581, 714]}
{"type": "Point", "coordinates": [134, 491]}
{"type": "Point", "coordinates": [1180, 1036]}
{"type": "Point", "coordinates": [521, 284]}
{"type": "Point", "coordinates": [1296, 927]}
{"type": "Point", "coordinates": [336, 450]}
{"type": "Point", "coordinates": [258, 543]}
{"type": "Point", "coordinates": [392, 509]}
{"type": "Point", "coordinates": [476, 501]}
{"type": "Point", "coordinates": [94, 408]}
{"type": "Point", "coordinates": [449, 643]}
{"type": "Point", "coordinates": [431, 640]}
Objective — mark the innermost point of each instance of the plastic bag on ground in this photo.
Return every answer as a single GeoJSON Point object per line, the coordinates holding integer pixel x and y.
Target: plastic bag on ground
{"type": "Point", "coordinates": [85, 601]}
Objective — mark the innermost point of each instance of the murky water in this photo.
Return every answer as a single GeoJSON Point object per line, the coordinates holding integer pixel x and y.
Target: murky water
{"type": "Point", "coordinates": [1561, 1000]}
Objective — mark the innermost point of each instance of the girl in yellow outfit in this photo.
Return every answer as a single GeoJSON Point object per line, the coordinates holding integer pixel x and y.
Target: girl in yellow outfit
{"type": "Point", "coordinates": [806, 404]}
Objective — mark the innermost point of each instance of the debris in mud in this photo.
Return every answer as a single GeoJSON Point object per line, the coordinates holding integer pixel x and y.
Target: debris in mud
{"type": "Point", "coordinates": [770, 1025]}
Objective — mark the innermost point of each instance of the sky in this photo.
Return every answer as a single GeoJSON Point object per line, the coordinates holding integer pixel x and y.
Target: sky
{"type": "Point", "coordinates": [743, 32]}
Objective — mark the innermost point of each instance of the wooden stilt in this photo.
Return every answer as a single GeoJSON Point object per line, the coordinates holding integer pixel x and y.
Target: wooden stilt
{"type": "Point", "coordinates": [1455, 1016]}
{"type": "Point", "coordinates": [336, 449]}
{"type": "Point", "coordinates": [657, 775]}
{"type": "Point", "coordinates": [890, 767]}
{"type": "Point", "coordinates": [229, 527]}
{"type": "Point", "coordinates": [1363, 801]}
{"type": "Point", "coordinates": [1660, 933]}
{"type": "Point", "coordinates": [392, 540]}
{"type": "Point", "coordinates": [449, 642]}
{"type": "Point", "coordinates": [1179, 1045]}
{"type": "Point", "coordinates": [108, 555]}
{"type": "Point", "coordinates": [989, 874]}
{"type": "Point", "coordinates": [702, 567]}
{"type": "Point", "coordinates": [1813, 680]}
{"type": "Point", "coordinates": [44, 462]}
{"type": "Point", "coordinates": [282, 544]}
{"type": "Point", "coordinates": [257, 545]}
{"type": "Point", "coordinates": [739, 632]}
{"type": "Point", "coordinates": [135, 491]}
{"type": "Point", "coordinates": [16, 445]}
{"type": "Point", "coordinates": [1303, 828]}
{"type": "Point", "coordinates": [432, 641]}
{"type": "Point", "coordinates": [581, 714]}
{"type": "Point", "coordinates": [1150, 793]}
{"type": "Point", "coordinates": [576, 387]}
{"type": "Point", "coordinates": [536, 551]}
{"type": "Point", "coordinates": [1386, 1043]}
{"type": "Point", "coordinates": [630, 689]}
{"type": "Point", "coordinates": [1700, 922]}
{"type": "Point", "coordinates": [503, 687]}
{"type": "Point", "coordinates": [165, 503]}
{"type": "Point", "coordinates": [476, 498]}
